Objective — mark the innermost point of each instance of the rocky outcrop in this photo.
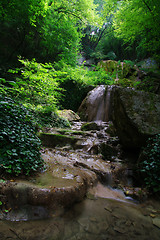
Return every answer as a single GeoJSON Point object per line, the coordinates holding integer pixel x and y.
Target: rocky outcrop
{"type": "Point", "coordinates": [90, 126]}
{"type": "Point", "coordinates": [54, 139]}
{"type": "Point", "coordinates": [136, 116]}
{"type": "Point", "coordinates": [96, 106]}
{"type": "Point", "coordinates": [121, 69]}
{"type": "Point", "coordinates": [69, 115]}
{"type": "Point", "coordinates": [59, 186]}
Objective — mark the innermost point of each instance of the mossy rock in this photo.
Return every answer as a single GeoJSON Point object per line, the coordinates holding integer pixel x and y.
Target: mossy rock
{"type": "Point", "coordinates": [136, 116]}
{"type": "Point", "coordinates": [69, 115]}
{"type": "Point", "coordinates": [90, 126]}
{"type": "Point", "coordinates": [52, 140]}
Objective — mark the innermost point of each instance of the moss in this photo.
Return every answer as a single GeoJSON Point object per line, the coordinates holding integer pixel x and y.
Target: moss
{"type": "Point", "coordinates": [89, 126]}
{"type": "Point", "coordinates": [52, 140]}
{"type": "Point", "coordinates": [65, 131]}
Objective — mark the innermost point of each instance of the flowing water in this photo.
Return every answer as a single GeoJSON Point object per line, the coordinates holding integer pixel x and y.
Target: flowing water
{"type": "Point", "coordinates": [99, 217]}
{"type": "Point", "coordinates": [105, 213]}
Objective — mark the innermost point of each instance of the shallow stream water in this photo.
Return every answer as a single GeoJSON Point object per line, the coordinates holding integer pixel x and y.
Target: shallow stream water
{"type": "Point", "coordinates": [105, 213]}
{"type": "Point", "coordinates": [98, 217]}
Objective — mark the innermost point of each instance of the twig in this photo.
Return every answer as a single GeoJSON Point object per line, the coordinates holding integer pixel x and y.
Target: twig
{"type": "Point", "coordinates": [16, 234]}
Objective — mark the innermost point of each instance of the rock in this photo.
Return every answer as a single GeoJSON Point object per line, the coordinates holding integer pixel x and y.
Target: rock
{"type": "Point", "coordinates": [52, 140]}
{"type": "Point", "coordinates": [108, 151]}
{"type": "Point", "coordinates": [121, 69]}
{"type": "Point", "coordinates": [60, 186]}
{"type": "Point", "coordinates": [90, 126]}
{"type": "Point", "coordinates": [156, 222]}
{"type": "Point", "coordinates": [69, 115]}
{"type": "Point", "coordinates": [111, 130]}
{"type": "Point", "coordinates": [96, 106]}
{"type": "Point", "coordinates": [119, 230]}
{"type": "Point", "coordinates": [136, 116]}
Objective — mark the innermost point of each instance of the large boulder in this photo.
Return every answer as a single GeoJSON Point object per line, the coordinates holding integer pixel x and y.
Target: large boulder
{"type": "Point", "coordinates": [96, 106]}
{"type": "Point", "coordinates": [136, 116]}
{"type": "Point", "coordinates": [69, 115]}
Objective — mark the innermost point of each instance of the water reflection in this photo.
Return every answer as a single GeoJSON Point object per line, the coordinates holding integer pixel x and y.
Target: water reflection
{"type": "Point", "coordinates": [96, 218]}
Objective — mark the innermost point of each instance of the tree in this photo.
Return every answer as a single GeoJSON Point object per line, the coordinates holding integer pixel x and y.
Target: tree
{"type": "Point", "coordinates": [137, 20]}
{"type": "Point", "coordinates": [44, 29]}
{"type": "Point", "coordinates": [18, 22]}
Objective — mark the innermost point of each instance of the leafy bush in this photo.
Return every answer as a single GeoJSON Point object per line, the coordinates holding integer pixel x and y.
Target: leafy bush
{"type": "Point", "coordinates": [76, 83]}
{"type": "Point", "coordinates": [53, 86]}
{"type": "Point", "coordinates": [45, 116]}
{"type": "Point", "coordinates": [150, 165]}
{"type": "Point", "coordinates": [36, 83]}
{"type": "Point", "coordinates": [19, 145]}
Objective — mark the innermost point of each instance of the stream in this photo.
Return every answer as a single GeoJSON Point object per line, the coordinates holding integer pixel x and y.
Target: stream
{"type": "Point", "coordinates": [106, 213]}
{"type": "Point", "coordinates": [98, 218]}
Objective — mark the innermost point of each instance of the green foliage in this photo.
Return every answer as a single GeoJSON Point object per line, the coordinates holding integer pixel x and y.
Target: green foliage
{"type": "Point", "coordinates": [77, 82]}
{"type": "Point", "coordinates": [74, 84]}
{"type": "Point", "coordinates": [60, 38]}
{"type": "Point", "coordinates": [19, 145]}
{"type": "Point", "coordinates": [150, 167]}
{"type": "Point", "coordinates": [43, 29]}
{"type": "Point", "coordinates": [43, 88]}
{"type": "Point", "coordinates": [111, 47]}
{"type": "Point", "coordinates": [37, 84]}
{"type": "Point", "coordinates": [137, 21]}
{"type": "Point", "coordinates": [45, 116]}
{"type": "Point", "coordinates": [19, 25]}
{"type": "Point", "coordinates": [99, 76]}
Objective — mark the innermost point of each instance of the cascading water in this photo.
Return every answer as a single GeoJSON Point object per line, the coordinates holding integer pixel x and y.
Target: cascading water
{"type": "Point", "coordinates": [105, 213]}
{"type": "Point", "coordinates": [97, 105]}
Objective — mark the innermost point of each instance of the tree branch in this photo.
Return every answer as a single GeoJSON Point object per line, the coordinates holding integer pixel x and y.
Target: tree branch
{"type": "Point", "coordinates": [63, 10]}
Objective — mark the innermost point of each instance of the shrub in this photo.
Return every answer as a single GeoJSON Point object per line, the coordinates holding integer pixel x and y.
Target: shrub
{"type": "Point", "coordinates": [45, 116]}
{"type": "Point", "coordinates": [150, 165]}
{"type": "Point", "coordinates": [35, 83]}
{"type": "Point", "coordinates": [77, 82]}
{"type": "Point", "coordinates": [19, 145]}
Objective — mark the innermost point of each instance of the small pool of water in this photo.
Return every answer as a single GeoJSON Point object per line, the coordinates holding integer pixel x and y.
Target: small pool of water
{"type": "Point", "coordinates": [99, 218]}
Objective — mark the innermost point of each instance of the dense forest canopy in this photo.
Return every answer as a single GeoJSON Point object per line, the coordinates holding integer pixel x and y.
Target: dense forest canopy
{"type": "Point", "coordinates": [58, 30]}
{"type": "Point", "coordinates": [137, 21]}
{"type": "Point", "coordinates": [47, 30]}
{"type": "Point", "coordinates": [44, 39]}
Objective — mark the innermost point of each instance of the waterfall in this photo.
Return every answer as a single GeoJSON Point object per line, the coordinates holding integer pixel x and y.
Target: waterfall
{"type": "Point", "coordinates": [97, 105]}
{"type": "Point", "coordinates": [104, 105]}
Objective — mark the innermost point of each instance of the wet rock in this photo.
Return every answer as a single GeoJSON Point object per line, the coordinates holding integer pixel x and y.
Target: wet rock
{"type": "Point", "coordinates": [111, 130]}
{"type": "Point", "coordinates": [136, 116]}
{"type": "Point", "coordinates": [90, 126]}
{"type": "Point", "coordinates": [61, 188]}
{"type": "Point", "coordinates": [91, 196]}
{"type": "Point", "coordinates": [109, 209]}
{"type": "Point", "coordinates": [108, 151]}
{"type": "Point", "coordinates": [119, 229]}
{"type": "Point", "coordinates": [2, 235]}
{"type": "Point", "coordinates": [96, 106]}
{"type": "Point", "coordinates": [70, 232]}
{"type": "Point", "coordinates": [52, 140]}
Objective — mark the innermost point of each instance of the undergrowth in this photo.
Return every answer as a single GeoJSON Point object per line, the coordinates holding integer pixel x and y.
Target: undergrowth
{"type": "Point", "coordinates": [19, 145]}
